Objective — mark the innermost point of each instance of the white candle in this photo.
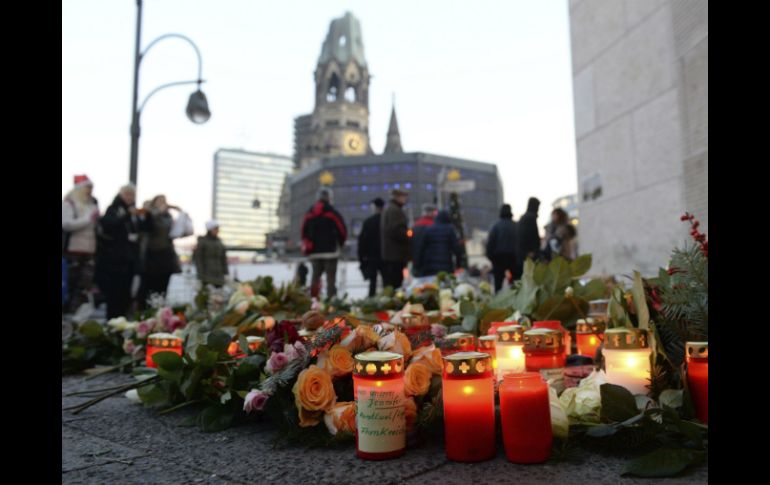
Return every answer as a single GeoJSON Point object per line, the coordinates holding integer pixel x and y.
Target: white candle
{"type": "Point", "coordinates": [627, 359]}
{"type": "Point", "coordinates": [509, 351]}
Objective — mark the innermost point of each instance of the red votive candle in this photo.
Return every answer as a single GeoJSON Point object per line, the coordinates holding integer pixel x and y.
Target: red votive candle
{"type": "Point", "coordinates": [378, 387]}
{"type": "Point", "coordinates": [544, 353]}
{"type": "Point", "coordinates": [417, 329]}
{"type": "Point", "coordinates": [589, 337]}
{"type": "Point", "coordinates": [161, 342]}
{"type": "Point", "coordinates": [495, 325]}
{"type": "Point", "coordinates": [698, 378]}
{"type": "Point", "coordinates": [526, 418]}
{"type": "Point", "coordinates": [556, 325]}
{"type": "Point", "coordinates": [486, 344]}
{"type": "Point", "coordinates": [468, 391]}
{"type": "Point", "coordinates": [458, 342]}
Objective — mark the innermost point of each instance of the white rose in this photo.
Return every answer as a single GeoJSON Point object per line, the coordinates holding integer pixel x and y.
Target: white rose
{"type": "Point", "coordinates": [445, 294]}
{"type": "Point", "coordinates": [464, 289]}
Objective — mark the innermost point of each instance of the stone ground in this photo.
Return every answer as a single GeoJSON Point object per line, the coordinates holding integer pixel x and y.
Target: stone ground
{"type": "Point", "coordinates": [119, 442]}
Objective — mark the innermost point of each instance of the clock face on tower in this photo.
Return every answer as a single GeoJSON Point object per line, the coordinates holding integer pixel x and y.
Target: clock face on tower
{"type": "Point", "coordinates": [353, 144]}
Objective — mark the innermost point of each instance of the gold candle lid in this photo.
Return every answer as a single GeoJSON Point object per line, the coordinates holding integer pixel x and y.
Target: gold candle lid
{"type": "Point", "coordinates": [164, 340]}
{"type": "Point", "coordinates": [459, 339]}
{"type": "Point", "coordinates": [467, 363]}
{"type": "Point", "coordinates": [413, 320]}
{"type": "Point", "coordinates": [590, 325]}
{"type": "Point", "coordinates": [543, 338]}
{"type": "Point", "coordinates": [625, 338]}
{"type": "Point", "coordinates": [487, 341]}
{"type": "Point", "coordinates": [378, 364]}
{"type": "Point", "coordinates": [598, 307]}
{"type": "Point", "coordinates": [699, 350]}
{"type": "Point", "coordinates": [510, 333]}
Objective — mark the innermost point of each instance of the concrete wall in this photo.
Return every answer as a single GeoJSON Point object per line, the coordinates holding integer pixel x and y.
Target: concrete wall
{"type": "Point", "coordinates": [640, 82]}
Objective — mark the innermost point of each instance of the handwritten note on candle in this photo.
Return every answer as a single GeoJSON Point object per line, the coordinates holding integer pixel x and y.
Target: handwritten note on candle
{"type": "Point", "coordinates": [381, 419]}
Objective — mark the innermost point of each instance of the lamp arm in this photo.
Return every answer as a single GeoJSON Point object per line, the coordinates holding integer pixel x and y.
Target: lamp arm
{"type": "Point", "coordinates": [164, 86]}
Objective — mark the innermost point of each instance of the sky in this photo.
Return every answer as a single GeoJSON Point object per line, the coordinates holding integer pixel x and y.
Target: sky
{"type": "Point", "coordinates": [488, 80]}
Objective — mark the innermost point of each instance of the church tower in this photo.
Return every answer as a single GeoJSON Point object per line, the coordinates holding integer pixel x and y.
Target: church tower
{"type": "Point", "coordinates": [339, 124]}
{"type": "Point", "coordinates": [393, 143]}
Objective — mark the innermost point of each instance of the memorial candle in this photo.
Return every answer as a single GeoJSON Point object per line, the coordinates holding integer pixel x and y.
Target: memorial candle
{"type": "Point", "coordinates": [589, 336]}
{"type": "Point", "coordinates": [458, 342]}
{"type": "Point", "coordinates": [468, 392]}
{"type": "Point", "coordinates": [626, 355]}
{"type": "Point", "coordinates": [486, 344]}
{"type": "Point", "coordinates": [698, 377]}
{"type": "Point", "coordinates": [556, 325]}
{"type": "Point", "coordinates": [544, 353]}
{"type": "Point", "coordinates": [417, 329]}
{"type": "Point", "coordinates": [161, 342]}
{"type": "Point", "coordinates": [525, 415]}
{"type": "Point", "coordinates": [509, 350]}
{"type": "Point", "coordinates": [234, 349]}
{"type": "Point", "coordinates": [495, 325]}
{"type": "Point", "coordinates": [378, 388]}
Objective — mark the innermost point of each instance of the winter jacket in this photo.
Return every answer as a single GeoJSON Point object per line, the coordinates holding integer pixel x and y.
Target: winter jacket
{"type": "Point", "coordinates": [79, 227]}
{"type": "Point", "coordinates": [417, 231]}
{"type": "Point", "coordinates": [394, 238]}
{"type": "Point", "coordinates": [369, 247]}
{"type": "Point", "coordinates": [436, 247]}
{"type": "Point", "coordinates": [502, 239]}
{"type": "Point", "coordinates": [323, 231]}
{"type": "Point", "coordinates": [210, 257]}
{"type": "Point", "coordinates": [528, 235]}
{"type": "Point", "coordinates": [159, 254]}
{"type": "Point", "coordinates": [118, 241]}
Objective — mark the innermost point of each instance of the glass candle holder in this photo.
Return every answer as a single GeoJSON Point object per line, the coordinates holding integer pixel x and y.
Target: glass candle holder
{"type": "Point", "coordinates": [525, 415]}
{"type": "Point", "coordinates": [626, 355]}
{"type": "Point", "coordinates": [161, 342]}
{"type": "Point", "coordinates": [486, 344]}
{"type": "Point", "coordinates": [468, 392]}
{"type": "Point", "coordinates": [544, 353]}
{"type": "Point", "coordinates": [417, 329]}
{"type": "Point", "coordinates": [598, 308]}
{"type": "Point", "coordinates": [509, 350]}
{"type": "Point", "coordinates": [458, 342]}
{"type": "Point", "coordinates": [556, 325]}
{"type": "Point", "coordinates": [589, 336]}
{"type": "Point", "coordinates": [495, 325]}
{"type": "Point", "coordinates": [378, 387]}
{"type": "Point", "coordinates": [698, 377]}
{"type": "Point", "coordinates": [234, 349]}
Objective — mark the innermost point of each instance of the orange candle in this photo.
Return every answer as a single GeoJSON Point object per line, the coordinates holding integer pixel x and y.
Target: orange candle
{"type": "Point", "coordinates": [556, 325]}
{"type": "Point", "coordinates": [544, 353]}
{"type": "Point", "coordinates": [486, 344]}
{"type": "Point", "coordinates": [458, 342]}
{"type": "Point", "coordinates": [589, 337]}
{"type": "Point", "coordinates": [468, 391]}
{"type": "Point", "coordinates": [161, 342]}
{"type": "Point", "coordinates": [378, 387]}
{"type": "Point", "coordinates": [698, 378]}
{"type": "Point", "coordinates": [526, 418]}
{"type": "Point", "coordinates": [234, 349]}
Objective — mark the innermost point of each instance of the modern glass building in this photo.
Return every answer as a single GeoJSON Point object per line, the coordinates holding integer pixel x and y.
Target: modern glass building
{"type": "Point", "coordinates": [359, 179]}
{"type": "Point", "coordinates": [247, 187]}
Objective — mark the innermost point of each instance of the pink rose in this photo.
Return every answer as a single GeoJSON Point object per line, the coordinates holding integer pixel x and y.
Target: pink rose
{"type": "Point", "coordinates": [276, 362]}
{"type": "Point", "coordinates": [143, 329]}
{"type": "Point", "coordinates": [129, 346]}
{"type": "Point", "coordinates": [174, 324]}
{"type": "Point", "coordinates": [165, 315]}
{"type": "Point", "coordinates": [255, 401]}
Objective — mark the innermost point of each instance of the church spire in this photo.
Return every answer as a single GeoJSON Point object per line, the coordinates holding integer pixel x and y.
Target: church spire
{"type": "Point", "coordinates": [393, 144]}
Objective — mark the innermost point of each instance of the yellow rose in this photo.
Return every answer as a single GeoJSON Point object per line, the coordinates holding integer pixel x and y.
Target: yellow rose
{"type": "Point", "coordinates": [337, 361]}
{"type": "Point", "coordinates": [313, 391]}
{"type": "Point", "coordinates": [410, 413]}
{"type": "Point", "coordinates": [341, 417]}
{"type": "Point", "coordinates": [417, 379]}
{"type": "Point", "coordinates": [430, 356]}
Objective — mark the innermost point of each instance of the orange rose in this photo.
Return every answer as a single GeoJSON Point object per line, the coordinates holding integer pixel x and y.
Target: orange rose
{"type": "Point", "coordinates": [430, 356]}
{"type": "Point", "coordinates": [410, 413]}
{"type": "Point", "coordinates": [417, 379]}
{"type": "Point", "coordinates": [337, 361]}
{"type": "Point", "coordinates": [341, 417]}
{"type": "Point", "coordinates": [313, 391]}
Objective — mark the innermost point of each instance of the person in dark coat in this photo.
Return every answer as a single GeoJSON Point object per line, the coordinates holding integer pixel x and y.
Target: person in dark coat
{"type": "Point", "coordinates": [323, 235]}
{"type": "Point", "coordinates": [528, 235]}
{"type": "Point", "coordinates": [426, 220]}
{"type": "Point", "coordinates": [502, 247]}
{"type": "Point", "coordinates": [118, 255]}
{"type": "Point", "coordinates": [394, 237]}
{"type": "Point", "coordinates": [437, 247]}
{"type": "Point", "coordinates": [369, 246]}
{"type": "Point", "coordinates": [210, 257]}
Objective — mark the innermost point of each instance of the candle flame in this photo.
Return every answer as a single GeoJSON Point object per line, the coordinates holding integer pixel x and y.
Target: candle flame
{"type": "Point", "coordinates": [467, 390]}
{"type": "Point", "coordinates": [631, 361]}
{"type": "Point", "coordinates": [515, 352]}
{"type": "Point", "coordinates": [593, 340]}
{"type": "Point", "coordinates": [378, 383]}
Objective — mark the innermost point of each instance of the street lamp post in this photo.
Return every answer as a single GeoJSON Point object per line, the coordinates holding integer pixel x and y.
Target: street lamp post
{"type": "Point", "coordinates": [197, 106]}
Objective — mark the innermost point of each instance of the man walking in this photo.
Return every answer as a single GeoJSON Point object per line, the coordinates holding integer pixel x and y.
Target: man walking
{"type": "Point", "coordinates": [369, 246]}
{"type": "Point", "coordinates": [395, 240]}
{"type": "Point", "coordinates": [323, 235]}
{"type": "Point", "coordinates": [528, 235]}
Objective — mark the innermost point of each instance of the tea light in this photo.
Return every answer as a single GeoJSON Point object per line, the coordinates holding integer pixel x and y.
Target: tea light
{"type": "Point", "coordinates": [468, 391]}
{"type": "Point", "coordinates": [589, 336]}
{"type": "Point", "coordinates": [525, 413]}
{"type": "Point", "coordinates": [378, 387]}
{"type": "Point", "coordinates": [698, 377]}
{"type": "Point", "coordinates": [234, 349]}
{"type": "Point", "coordinates": [544, 353]}
{"type": "Point", "coordinates": [161, 342]}
{"type": "Point", "coordinates": [556, 325]}
{"type": "Point", "coordinates": [626, 355]}
{"type": "Point", "coordinates": [509, 350]}
{"type": "Point", "coordinates": [486, 344]}
{"type": "Point", "coordinates": [458, 342]}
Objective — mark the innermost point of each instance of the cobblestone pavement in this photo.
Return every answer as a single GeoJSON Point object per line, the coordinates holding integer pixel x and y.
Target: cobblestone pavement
{"type": "Point", "coordinates": [119, 442]}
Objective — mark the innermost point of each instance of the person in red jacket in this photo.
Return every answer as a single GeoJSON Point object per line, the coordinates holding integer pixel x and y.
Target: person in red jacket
{"type": "Point", "coordinates": [426, 220]}
{"type": "Point", "coordinates": [323, 236]}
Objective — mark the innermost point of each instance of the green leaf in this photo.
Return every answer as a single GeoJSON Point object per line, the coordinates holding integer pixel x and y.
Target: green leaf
{"type": "Point", "coordinates": [205, 357]}
{"type": "Point", "coordinates": [601, 431]}
{"type": "Point", "coordinates": [215, 418]}
{"type": "Point", "coordinates": [191, 383]}
{"type": "Point", "coordinates": [555, 308]}
{"type": "Point", "coordinates": [244, 344]}
{"type": "Point", "coordinates": [539, 273]}
{"type": "Point", "coordinates": [467, 308]}
{"type": "Point", "coordinates": [167, 360]}
{"type": "Point", "coordinates": [593, 290]}
{"type": "Point", "coordinates": [661, 463]}
{"type": "Point", "coordinates": [492, 316]}
{"type": "Point", "coordinates": [640, 302]}
{"type": "Point", "coordinates": [558, 276]}
{"type": "Point", "coordinates": [581, 265]}
{"type": "Point", "coordinates": [618, 404]}
{"type": "Point", "coordinates": [250, 366]}
{"type": "Point", "coordinates": [91, 329]}
{"type": "Point", "coordinates": [671, 398]}
{"type": "Point", "coordinates": [502, 300]}
{"type": "Point", "coordinates": [218, 341]}
{"type": "Point", "coordinates": [154, 395]}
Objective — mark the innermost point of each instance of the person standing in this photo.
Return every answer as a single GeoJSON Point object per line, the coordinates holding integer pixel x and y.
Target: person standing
{"type": "Point", "coordinates": [425, 220]}
{"type": "Point", "coordinates": [210, 257]}
{"type": "Point", "coordinates": [395, 239]}
{"type": "Point", "coordinates": [118, 258]}
{"type": "Point", "coordinates": [79, 215]}
{"type": "Point", "coordinates": [369, 247]}
{"type": "Point", "coordinates": [437, 247]}
{"type": "Point", "coordinates": [501, 247]}
{"type": "Point", "coordinates": [323, 235]}
{"type": "Point", "coordinates": [528, 235]}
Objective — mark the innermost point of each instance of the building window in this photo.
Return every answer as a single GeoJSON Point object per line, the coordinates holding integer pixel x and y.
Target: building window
{"type": "Point", "coordinates": [407, 185]}
{"type": "Point", "coordinates": [334, 88]}
{"type": "Point", "coordinates": [353, 124]}
{"type": "Point", "coordinates": [343, 41]}
{"type": "Point", "coordinates": [364, 188]}
{"type": "Point", "coordinates": [350, 96]}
